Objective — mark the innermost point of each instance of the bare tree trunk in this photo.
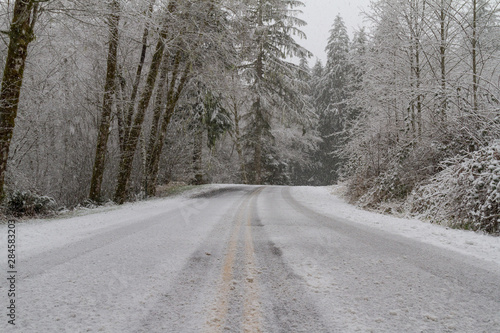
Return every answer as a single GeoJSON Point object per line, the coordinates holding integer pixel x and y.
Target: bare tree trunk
{"type": "Point", "coordinates": [20, 35]}
{"type": "Point", "coordinates": [137, 80]}
{"type": "Point", "coordinates": [120, 109]}
{"type": "Point", "coordinates": [442, 53]}
{"type": "Point", "coordinates": [132, 135]}
{"type": "Point", "coordinates": [156, 143]}
{"type": "Point", "coordinates": [411, 108]}
{"type": "Point", "coordinates": [132, 138]}
{"type": "Point", "coordinates": [237, 142]}
{"type": "Point", "coordinates": [197, 154]}
{"type": "Point", "coordinates": [158, 109]}
{"type": "Point", "coordinates": [259, 67]}
{"type": "Point", "coordinates": [418, 79]}
{"type": "Point", "coordinates": [414, 20]}
{"type": "Point", "coordinates": [109, 92]}
{"type": "Point", "coordinates": [395, 100]}
{"type": "Point", "coordinates": [475, 80]}
{"type": "Point", "coordinates": [257, 158]}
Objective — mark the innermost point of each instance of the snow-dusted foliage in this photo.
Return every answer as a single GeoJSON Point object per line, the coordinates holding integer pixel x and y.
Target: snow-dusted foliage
{"type": "Point", "coordinates": [20, 203]}
{"type": "Point", "coordinates": [466, 194]}
{"type": "Point", "coordinates": [388, 186]}
{"type": "Point", "coordinates": [426, 96]}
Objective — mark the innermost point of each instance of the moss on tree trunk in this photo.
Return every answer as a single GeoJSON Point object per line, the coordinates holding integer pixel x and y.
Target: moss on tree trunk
{"type": "Point", "coordinates": [109, 92]}
{"type": "Point", "coordinates": [20, 34]}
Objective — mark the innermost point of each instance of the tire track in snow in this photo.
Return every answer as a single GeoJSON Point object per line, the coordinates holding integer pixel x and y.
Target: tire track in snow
{"type": "Point", "coordinates": [217, 315]}
{"type": "Point", "coordinates": [185, 301]}
{"type": "Point", "coordinates": [286, 301]}
{"type": "Point", "coordinates": [426, 288]}
{"type": "Point", "coordinates": [477, 279]}
{"type": "Point", "coordinates": [49, 260]}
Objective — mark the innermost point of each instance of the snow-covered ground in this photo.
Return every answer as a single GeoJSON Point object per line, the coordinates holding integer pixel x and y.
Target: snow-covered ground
{"type": "Point", "coordinates": [39, 235]}
{"type": "Point", "coordinates": [324, 199]}
{"type": "Point", "coordinates": [367, 272]}
{"type": "Point", "coordinates": [270, 259]}
{"type": "Point", "coordinates": [101, 270]}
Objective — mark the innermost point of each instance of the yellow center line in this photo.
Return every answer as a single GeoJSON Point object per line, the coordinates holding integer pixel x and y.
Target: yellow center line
{"type": "Point", "coordinates": [252, 312]}
{"type": "Point", "coordinates": [218, 313]}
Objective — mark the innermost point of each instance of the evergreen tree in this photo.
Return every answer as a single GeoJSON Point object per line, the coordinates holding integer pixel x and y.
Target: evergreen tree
{"type": "Point", "coordinates": [210, 116]}
{"type": "Point", "coordinates": [357, 58]}
{"type": "Point", "coordinates": [305, 174]}
{"type": "Point", "coordinates": [272, 79]}
{"type": "Point", "coordinates": [331, 103]}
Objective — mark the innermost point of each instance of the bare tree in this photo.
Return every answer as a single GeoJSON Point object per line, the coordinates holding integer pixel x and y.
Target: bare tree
{"type": "Point", "coordinates": [132, 137]}
{"type": "Point", "coordinates": [163, 110]}
{"type": "Point", "coordinates": [21, 34]}
{"type": "Point", "coordinates": [109, 93]}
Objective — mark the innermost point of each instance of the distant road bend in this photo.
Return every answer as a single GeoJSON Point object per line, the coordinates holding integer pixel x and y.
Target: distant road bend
{"type": "Point", "coordinates": [252, 259]}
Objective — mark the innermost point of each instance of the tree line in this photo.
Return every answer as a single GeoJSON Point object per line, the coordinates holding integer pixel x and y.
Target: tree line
{"type": "Point", "coordinates": [110, 100]}
{"type": "Point", "coordinates": [410, 112]}
{"type": "Point", "coordinates": [114, 98]}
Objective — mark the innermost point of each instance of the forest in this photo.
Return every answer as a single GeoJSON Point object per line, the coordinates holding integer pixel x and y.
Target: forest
{"type": "Point", "coordinates": [110, 101]}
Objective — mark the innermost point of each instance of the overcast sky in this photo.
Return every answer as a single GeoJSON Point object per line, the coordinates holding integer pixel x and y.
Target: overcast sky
{"type": "Point", "coordinates": [319, 15]}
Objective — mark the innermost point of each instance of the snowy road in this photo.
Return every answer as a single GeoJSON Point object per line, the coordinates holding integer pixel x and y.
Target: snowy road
{"type": "Point", "coordinates": [244, 259]}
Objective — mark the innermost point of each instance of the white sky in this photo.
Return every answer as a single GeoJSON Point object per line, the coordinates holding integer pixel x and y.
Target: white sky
{"type": "Point", "coordinates": [319, 15]}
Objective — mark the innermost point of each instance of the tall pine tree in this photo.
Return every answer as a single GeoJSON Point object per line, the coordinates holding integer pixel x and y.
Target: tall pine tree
{"type": "Point", "coordinates": [331, 103]}
{"type": "Point", "coordinates": [272, 78]}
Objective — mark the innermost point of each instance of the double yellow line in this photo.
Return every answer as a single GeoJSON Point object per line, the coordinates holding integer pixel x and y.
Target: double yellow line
{"type": "Point", "coordinates": [252, 315]}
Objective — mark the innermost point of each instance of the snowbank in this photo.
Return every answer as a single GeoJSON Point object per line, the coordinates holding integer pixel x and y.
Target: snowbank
{"type": "Point", "coordinates": [324, 200]}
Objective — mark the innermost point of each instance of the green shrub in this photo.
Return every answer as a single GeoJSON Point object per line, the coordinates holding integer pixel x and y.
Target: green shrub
{"type": "Point", "coordinates": [27, 203]}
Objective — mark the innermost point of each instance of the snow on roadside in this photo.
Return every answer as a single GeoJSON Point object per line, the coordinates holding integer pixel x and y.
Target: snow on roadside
{"type": "Point", "coordinates": [324, 200]}
{"type": "Point", "coordinates": [39, 235]}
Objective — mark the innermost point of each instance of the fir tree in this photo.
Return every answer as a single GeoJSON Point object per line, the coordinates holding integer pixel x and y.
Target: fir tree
{"type": "Point", "coordinates": [331, 102]}
{"type": "Point", "coordinates": [272, 79]}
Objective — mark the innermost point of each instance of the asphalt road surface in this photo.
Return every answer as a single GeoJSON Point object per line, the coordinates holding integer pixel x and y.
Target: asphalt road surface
{"type": "Point", "coordinates": [250, 259]}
